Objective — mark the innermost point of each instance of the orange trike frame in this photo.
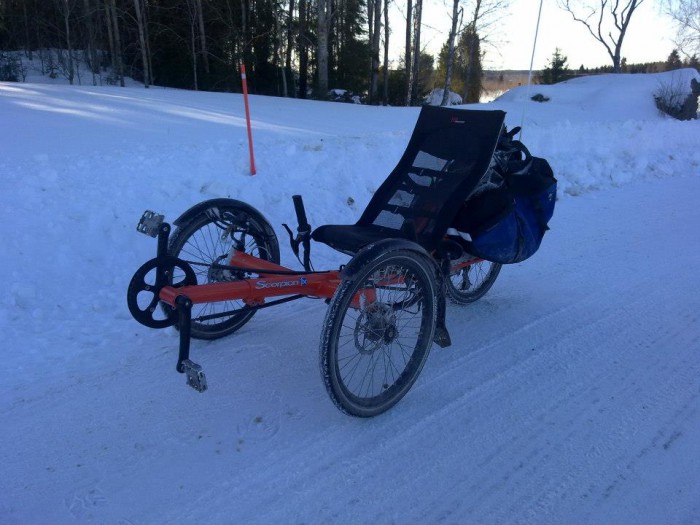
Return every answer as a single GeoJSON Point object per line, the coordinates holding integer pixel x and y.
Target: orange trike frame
{"type": "Point", "coordinates": [273, 280]}
{"type": "Point", "coordinates": [254, 291]}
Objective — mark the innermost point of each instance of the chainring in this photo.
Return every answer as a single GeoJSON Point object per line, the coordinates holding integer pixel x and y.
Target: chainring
{"type": "Point", "coordinates": [164, 267]}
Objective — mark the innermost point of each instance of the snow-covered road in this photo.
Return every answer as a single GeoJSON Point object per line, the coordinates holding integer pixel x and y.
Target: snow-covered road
{"type": "Point", "coordinates": [571, 393]}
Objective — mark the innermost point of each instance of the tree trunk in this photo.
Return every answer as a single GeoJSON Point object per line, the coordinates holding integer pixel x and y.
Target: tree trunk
{"type": "Point", "coordinates": [450, 54]}
{"type": "Point", "coordinates": [192, 9]}
{"type": "Point", "coordinates": [117, 58]}
{"type": "Point", "coordinates": [66, 10]}
{"type": "Point", "coordinates": [27, 42]}
{"type": "Point", "coordinates": [407, 55]}
{"type": "Point", "coordinates": [147, 38]}
{"type": "Point", "coordinates": [303, 49]}
{"type": "Point", "coordinates": [288, 55]}
{"type": "Point", "coordinates": [141, 23]}
{"type": "Point", "coordinates": [244, 22]}
{"type": "Point", "coordinates": [376, 33]}
{"type": "Point", "coordinates": [202, 36]}
{"type": "Point", "coordinates": [110, 36]}
{"type": "Point", "coordinates": [385, 92]}
{"type": "Point", "coordinates": [91, 45]}
{"type": "Point", "coordinates": [472, 41]}
{"type": "Point", "coordinates": [323, 18]}
{"type": "Point", "coordinates": [415, 68]}
{"type": "Point", "coordinates": [370, 21]}
{"type": "Point", "coordinates": [279, 67]}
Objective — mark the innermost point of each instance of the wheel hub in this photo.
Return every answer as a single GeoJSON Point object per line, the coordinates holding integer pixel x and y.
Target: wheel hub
{"type": "Point", "coordinates": [374, 327]}
{"type": "Point", "coordinates": [220, 275]}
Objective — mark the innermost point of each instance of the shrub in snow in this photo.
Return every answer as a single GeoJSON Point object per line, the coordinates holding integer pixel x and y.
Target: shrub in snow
{"type": "Point", "coordinates": [11, 68]}
{"type": "Point", "coordinates": [434, 98]}
{"type": "Point", "coordinates": [673, 98]}
{"type": "Point", "coordinates": [343, 95]}
{"type": "Point", "coordinates": [539, 98]}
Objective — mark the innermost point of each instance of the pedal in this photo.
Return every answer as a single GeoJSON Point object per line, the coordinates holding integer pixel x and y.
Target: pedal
{"type": "Point", "coordinates": [195, 375]}
{"type": "Point", "coordinates": [150, 223]}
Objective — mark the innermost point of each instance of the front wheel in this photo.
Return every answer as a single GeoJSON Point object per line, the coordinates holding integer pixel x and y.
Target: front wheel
{"type": "Point", "coordinates": [208, 237]}
{"type": "Point", "coordinates": [378, 332]}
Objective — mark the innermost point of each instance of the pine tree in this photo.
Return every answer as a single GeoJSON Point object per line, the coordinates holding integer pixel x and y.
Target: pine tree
{"type": "Point", "coordinates": [556, 70]}
{"type": "Point", "coordinates": [467, 70]}
{"type": "Point", "coordinates": [673, 61]}
{"type": "Point", "coordinates": [470, 47]}
{"type": "Point", "coordinates": [692, 62]}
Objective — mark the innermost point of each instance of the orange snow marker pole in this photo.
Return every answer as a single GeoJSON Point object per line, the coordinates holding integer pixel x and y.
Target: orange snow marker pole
{"type": "Point", "coordinates": [247, 118]}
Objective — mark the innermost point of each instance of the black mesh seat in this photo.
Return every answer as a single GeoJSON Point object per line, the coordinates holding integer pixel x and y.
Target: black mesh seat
{"type": "Point", "coordinates": [350, 238]}
{"type": "Point", "coordinates": [449, 152]}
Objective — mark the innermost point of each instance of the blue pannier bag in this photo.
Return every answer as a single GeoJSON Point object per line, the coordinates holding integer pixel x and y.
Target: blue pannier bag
{"type": "Point", "coordinates": [506, 217]}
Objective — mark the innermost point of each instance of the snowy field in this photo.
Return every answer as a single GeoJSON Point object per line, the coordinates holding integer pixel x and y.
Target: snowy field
{"type": "Point", "coordinates": [570, 395]}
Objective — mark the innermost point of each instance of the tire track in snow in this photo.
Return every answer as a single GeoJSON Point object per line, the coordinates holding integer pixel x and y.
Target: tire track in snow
{"type": "Point", "coordinates": [556, 411]}
{"type": "Point", "coordinates": [585, 327]}
{"type": "Point", "coordinates": [502, 376]}
{"type": "Point", "coordinates": [347, 455]}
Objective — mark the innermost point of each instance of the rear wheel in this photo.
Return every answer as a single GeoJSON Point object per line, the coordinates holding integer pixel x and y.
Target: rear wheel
{"type": "Point", "coordinates": [377, 333]}
{"type": "Point", "coordinates": [208, 237]}
{"type": "Point", "coordinates": [471, 282]}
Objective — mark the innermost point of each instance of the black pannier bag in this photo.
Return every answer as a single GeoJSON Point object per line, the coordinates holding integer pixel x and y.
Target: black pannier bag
{"type": "Point", "coordinates": [506, 216]}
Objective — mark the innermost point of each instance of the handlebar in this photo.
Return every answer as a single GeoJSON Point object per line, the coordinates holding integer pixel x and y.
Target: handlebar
{"type": "Point", "coordinates": [301, 214]}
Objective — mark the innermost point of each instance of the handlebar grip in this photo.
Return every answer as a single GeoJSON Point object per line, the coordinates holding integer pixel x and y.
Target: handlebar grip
{"type": "Point", "coordinates": [513, 132]}
{"type": "Point", "coordinates": [301, 213]}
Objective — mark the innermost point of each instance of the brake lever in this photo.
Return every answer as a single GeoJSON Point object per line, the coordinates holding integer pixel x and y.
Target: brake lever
{"type": "Point", "coordinates": [294, 242]}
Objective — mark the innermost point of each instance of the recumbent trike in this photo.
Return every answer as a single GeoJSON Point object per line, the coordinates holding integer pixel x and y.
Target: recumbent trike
{"type": "Point", "coordinates": [386, 305]}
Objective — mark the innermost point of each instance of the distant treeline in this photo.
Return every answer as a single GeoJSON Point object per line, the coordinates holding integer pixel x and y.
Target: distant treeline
{"type": "Point", "coordinates": [671, 64]}
{"type": "Point", "coordinates": [557, 69]}
{"type": "Point", "coordinates": [201, 44]}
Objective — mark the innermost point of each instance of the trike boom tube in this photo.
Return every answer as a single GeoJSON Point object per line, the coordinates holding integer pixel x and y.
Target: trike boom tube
{"type": "Point", "coordinates": [255, 291]}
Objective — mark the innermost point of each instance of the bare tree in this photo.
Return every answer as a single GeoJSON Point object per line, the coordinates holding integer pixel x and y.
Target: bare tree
{"type": "Point", "coordinates": [323, 14]}
{"type": "Point", "coordinates": [686, 15]}
{"type": "Point", "coordinates": [407, 54]}
{"type": "Point", "coordinates": [385, 92]}
{"type": "Point", "coordinates": [456, 12]}
{"type": "Point", "coordinates": [303, 47]}
{"type": "Point", "coordinates": [193, 17]}
{"type": "Point", "coordinates": [110, 34]}
{"type": "Point", "coordinates": [202, 35]}
{"type": "Point", "coordinates": [65, 8]}
{"type": "Point", "coordinates": [91, 36]}
{"type": "Point", "coordinates": [483, 14]}
{"type": "Point", "coordinates": [375, 20]}
{"type": "Point", "coordinates": [26, 24]}
{"type": "Point", "coordinates": [112, 22]}
{"type": "Point", "coordinates": [141, 23]}
{"type": "Point", "coordinates": [598, 16]}
{"type": "Point", "coordinates": [415, 51]}
{"type": "Point", "coordinates": [290, 42]}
